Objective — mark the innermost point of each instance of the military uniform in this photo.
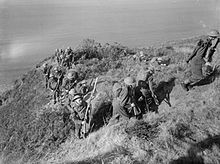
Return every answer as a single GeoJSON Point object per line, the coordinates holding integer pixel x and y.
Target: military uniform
{"type": "Point", "coordinates": [197, 59]}
{"type": "Point", "coordinates": [122, 102]}
{"type": "Point", "coordinates": [47, 71]}
{"type": "Point", "coordinates": [55, 83]}
{"type": "Point", "coordinates": [143, 91]}
{"type": "Point", "coordinates": [78, 115]}
{"type": "Point", "coordinates": [68, 84]}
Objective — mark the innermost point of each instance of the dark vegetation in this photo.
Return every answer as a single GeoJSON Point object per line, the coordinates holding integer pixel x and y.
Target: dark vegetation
{"type": "Point", "coordinates": [32, 129]}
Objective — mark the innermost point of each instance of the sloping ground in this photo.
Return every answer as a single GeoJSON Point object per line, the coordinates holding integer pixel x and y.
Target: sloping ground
{"type": "Point", "coordinates": [188, 132]}
{"type": "Point", "coordinates": [35, 131]}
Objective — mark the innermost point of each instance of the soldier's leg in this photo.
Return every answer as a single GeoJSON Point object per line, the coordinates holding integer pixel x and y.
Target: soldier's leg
{"type": "Point", "coordinates": [195, 77]}
{"type": "Point", "coordinates": [54, 97]}
{"type": "Point", "coordinates": [46, 84]}
{"type": "Point", "coordinates": [78, 130]}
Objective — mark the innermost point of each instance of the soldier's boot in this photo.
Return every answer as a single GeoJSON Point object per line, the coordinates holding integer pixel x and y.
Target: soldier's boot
{"type": "Point", "coordinates": [184, 86]}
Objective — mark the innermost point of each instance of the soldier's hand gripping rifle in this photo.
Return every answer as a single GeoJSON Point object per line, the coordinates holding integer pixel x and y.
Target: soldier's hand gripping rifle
{"type": "Point", "coordinates": [88, 106]}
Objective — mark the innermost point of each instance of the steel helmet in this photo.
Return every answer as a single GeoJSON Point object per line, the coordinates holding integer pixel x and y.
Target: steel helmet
{"type": "Point", "coordinates": [55, 69]}
{"type": "Point", "coordinates": [159, 59]}
{"type": "Point", "coordinates": [44, 65]}
{"type": "Point", "coordinates": [83, 82]}
{"type": "Point", "coordinates": [76, 97]}
{"type": "Point", "coordinates": [61, 56]}
{"type": "Point", "coordinates": [72, 75]}
{"type": "Point", "coordinates": [57, 50]}
{"type": "Point", "coordinates": [68, 48]}
{"type": "Point", "coordinates": [72, 92]}
{"type": "Point", "coordinates": [129, 81]}
{"type": "Point", "coordinates": [51, 75]}
{"type": "Point", "coordinates": [213, 33]}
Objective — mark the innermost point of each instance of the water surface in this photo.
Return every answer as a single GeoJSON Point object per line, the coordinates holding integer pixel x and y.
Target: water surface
{"type": "Point", "coordinates": [31, 30]}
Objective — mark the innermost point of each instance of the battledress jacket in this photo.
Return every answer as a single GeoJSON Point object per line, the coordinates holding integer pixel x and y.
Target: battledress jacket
{"type": "Point", "coordinates": [122, 102]}
{"type": "Point", "coordinates": [79, 112]}
{"type": "Point", "coordinates": [68, 84]}
{"type": "Point", "coordinates": [197, 59]}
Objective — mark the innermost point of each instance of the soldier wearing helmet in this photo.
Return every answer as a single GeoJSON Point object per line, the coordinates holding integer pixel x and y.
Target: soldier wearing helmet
{"type": "Point", "coordinates": [145, 96]}
{"type": "Point", "coordinates": [55, 83]}
{"type": "Point", "coordinates": [123, 101]}
{"type": "Point", "coordinates": [77, 106]}
{"type": "Point", "coordinates": [47, 73]}
{"type": "Point", "coordinates": [200, 58]}
{"type": "Point", "coordinates": [70, 80]}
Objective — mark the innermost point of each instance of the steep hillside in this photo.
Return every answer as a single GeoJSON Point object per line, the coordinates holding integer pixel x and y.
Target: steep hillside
{"type": "Point", "coordinates": [33, 130]}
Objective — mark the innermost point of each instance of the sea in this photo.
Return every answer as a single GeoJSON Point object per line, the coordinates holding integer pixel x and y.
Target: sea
{"type": "Point", "coordinates": [31, 30]}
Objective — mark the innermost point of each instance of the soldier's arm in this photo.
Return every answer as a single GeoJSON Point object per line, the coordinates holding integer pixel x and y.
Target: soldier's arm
{"type": "Point", "coordinates": [75, 118]}
{"type": "Point", "coordinates": [200, 42]}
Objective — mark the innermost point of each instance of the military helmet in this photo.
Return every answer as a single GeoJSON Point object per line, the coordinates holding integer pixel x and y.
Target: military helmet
{"type": "Point", "coordinates": [44, 65]}
{"type": "Point", "coordinates": [68, 48]}
{"type": "Point", "coordinates": [55, 69]}
{"type": "Point", "coordinates": [213, 33]}
{"type": "Point", "coordinates": [57, 50]}
{"type": "Point", "coordinates": [76, 97]}
{"type": "Point", "coordinates": [72, 75]}
{"type": "Point", "coordinates": [83, 82]}
{"type": "Point", "coordinates": [129, 81]}
{"type": "Point", "coordinates": [72, 92]}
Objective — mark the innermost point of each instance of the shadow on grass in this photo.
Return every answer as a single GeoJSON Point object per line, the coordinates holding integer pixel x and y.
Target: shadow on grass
{"type": "Point", "coordinates": [119, 153]}
{"type": "Point", "coordinates": [163, 90]}
{"type": "Point", "coordinates": [193, 157]}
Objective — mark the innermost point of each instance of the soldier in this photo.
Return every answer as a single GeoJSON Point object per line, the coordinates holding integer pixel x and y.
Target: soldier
{"type": "Point", "coordinates": [55, 83]}
{"type": "Point", "coordinates": [82, 88]}
{"type": "Point", "coordinates": [198, 59]}
{"type": "Point", "coordinates": [144, 90]}
{"type": "Point", "coordinates": [124, 105]}
{"type": "Point", "coordinates": [46, 71]}
{"type": "Point", "coordinates": [70, 80]}
{"type": "Point", "coordinates": [77, 107]}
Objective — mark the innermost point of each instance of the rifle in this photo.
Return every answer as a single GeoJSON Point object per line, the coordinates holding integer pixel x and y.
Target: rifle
{"type": "Point", "coordinates": [88, 106]}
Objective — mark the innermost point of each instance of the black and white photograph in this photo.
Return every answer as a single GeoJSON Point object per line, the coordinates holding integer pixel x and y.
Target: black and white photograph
{"type": "Point", "coordinates": [109, 82]}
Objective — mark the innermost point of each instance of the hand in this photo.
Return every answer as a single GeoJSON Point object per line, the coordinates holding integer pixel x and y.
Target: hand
{"type": "Point", "coordinates": [141, 99]}
{"type": "Point", "coordinates": [83, 122]}
{"type": "Point", "coordinates": [132, 105]}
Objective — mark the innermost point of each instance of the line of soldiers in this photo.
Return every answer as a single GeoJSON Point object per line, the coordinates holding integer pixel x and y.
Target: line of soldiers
{"type": "Point", "coordinates": [65, 58]}
{"type": "Point", "coordinates": [70, 91]}
{"type": "Point", "coordinates": [131, 98]}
